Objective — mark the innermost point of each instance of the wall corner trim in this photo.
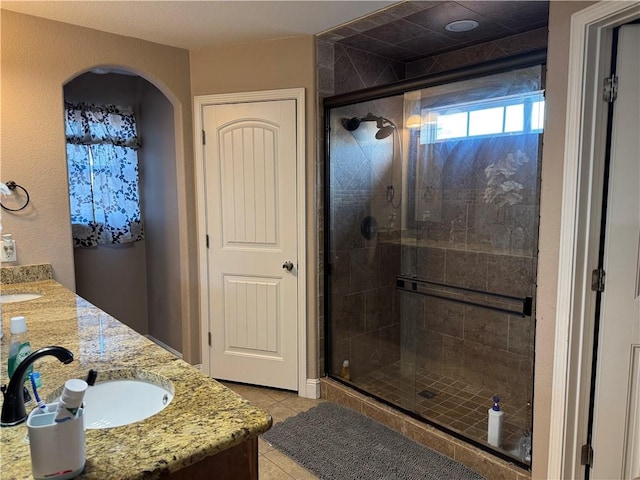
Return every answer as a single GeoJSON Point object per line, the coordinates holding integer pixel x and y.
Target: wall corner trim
{"type": "Point", "coordinates": [573, 330]}
{"type": "Point", "coordinates": [312, 390]}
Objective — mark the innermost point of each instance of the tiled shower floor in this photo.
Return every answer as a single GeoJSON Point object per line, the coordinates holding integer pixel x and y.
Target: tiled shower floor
{"type": "Point", "coordinates": [448, 402]}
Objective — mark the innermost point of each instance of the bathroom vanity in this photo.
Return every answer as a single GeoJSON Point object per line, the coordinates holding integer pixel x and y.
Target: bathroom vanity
{"type": "Point", "coordinates": [207, 431]}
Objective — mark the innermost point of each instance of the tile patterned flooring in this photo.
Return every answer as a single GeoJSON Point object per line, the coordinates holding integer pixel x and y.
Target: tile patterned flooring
{"type": "Point", "coordinates": [448, 402]}
{"type": "Point", "coordinates": [273, 464]}
{"type": "Point", "coordinates": [457, 405]}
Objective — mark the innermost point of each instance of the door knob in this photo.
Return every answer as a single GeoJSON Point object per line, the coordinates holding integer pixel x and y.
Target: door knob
{"type": "Point", "coordinates": [288, 266]}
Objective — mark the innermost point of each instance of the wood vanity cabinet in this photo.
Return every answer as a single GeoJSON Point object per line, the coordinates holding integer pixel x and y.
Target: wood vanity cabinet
{"type": "Point", "coordinates": [235, 463]}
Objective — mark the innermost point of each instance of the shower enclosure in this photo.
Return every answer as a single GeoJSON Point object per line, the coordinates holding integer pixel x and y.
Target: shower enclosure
{"type": "Point", "coordinates": [432, 200]}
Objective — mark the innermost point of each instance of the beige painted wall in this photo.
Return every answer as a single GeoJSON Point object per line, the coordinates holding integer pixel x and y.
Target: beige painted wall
{"type": "Point", "coordinates": [160, 213]}
{"type": "Point", "coordinates": [38, 57]}
{"type": "Point", "coordinates": [272, 65]}
{"type": "Point", "coordinates": [120, 267]}
{"type": "Point", "coordinates": [551, 197]}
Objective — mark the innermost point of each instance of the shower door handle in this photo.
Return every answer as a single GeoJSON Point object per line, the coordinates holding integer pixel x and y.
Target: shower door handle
{"type": "Point", "coordinates": [288, 266]}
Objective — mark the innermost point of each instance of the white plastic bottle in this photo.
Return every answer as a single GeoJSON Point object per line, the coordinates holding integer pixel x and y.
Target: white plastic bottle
{"type": "Point", "coordinates": [71, 399]}
{"type": "Point", "coordinates": [19, 347]}
{"type": "Point", "coordinates": [345, 373]}
{"type": "Point", "coordinates": [494, 427]}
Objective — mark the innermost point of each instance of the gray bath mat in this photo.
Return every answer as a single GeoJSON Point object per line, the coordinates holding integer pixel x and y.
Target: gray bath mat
{"type": "Point", "coordinates": [336, 443]}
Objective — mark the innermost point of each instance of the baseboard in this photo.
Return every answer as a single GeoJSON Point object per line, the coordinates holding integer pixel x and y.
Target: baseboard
{"type": "Point", "coordinates": [164, 345]}
{"type": "Point", "coordinates": [312, 389]}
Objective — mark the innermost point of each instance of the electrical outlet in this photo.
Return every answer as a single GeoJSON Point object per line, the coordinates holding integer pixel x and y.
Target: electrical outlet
{"type": "Point", "coordinates": [8, 251]}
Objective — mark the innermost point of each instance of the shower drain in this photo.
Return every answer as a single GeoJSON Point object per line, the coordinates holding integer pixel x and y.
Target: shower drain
{"type": "Point", "coordinates": [427, 394]}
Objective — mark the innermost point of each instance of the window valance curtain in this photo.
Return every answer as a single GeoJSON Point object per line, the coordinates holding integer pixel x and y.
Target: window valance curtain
{"type": "Point", "coordinates": [103, 174]}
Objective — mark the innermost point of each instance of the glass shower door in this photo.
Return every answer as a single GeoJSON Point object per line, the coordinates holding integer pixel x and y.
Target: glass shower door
{"type": "Point", "coordinates": [433, 200]}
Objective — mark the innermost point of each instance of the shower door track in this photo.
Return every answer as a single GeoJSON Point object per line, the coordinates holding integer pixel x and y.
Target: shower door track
{"type": "Point", "coordinates": [521, 306]}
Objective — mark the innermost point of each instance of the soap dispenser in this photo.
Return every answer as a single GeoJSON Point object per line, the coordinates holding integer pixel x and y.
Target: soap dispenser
{"type": "Point", "coordinates": [494, 426]}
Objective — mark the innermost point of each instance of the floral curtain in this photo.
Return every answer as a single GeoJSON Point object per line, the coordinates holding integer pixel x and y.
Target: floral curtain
{"type": "Point", "coordinates": [103, 174]}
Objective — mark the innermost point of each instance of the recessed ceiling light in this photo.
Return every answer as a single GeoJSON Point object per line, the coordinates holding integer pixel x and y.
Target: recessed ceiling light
{"type": "Point", "coordinates": [461, 25]}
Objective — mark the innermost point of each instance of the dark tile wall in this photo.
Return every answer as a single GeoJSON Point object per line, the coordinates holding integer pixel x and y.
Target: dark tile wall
{"type": "Point", "coordinates": [496, 49]}
{"type": "Point", "coordinates": [365, 320]}
{"type": "Point", "coordinates": [343, 68]}
{"type": "Point", "coordinates": [484, 242]}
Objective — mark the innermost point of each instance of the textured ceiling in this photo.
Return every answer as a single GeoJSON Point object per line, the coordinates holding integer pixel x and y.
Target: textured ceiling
{"type": "Point", "coordinates": [199, 24]}
{"type": "Point", "coordinates": [413, 30]}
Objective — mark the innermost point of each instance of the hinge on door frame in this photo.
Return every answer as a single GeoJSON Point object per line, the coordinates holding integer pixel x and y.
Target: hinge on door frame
{"type": "Point", "coordinates": [207, 240]}
{"type": "Point", "coordinates": [610, 89]}
{"type": "Point", "coordinates": [204, 138]}
{"type": "Point", "coordinates": [597, 280]}
{"type": "Point", "coordinates": [209, 338]}
{"type": "Point", "coordinates": [586, 455]}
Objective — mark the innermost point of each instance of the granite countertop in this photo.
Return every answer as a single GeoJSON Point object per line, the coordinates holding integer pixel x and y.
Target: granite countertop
{"type": "Point", "coordinates": [203, 419]}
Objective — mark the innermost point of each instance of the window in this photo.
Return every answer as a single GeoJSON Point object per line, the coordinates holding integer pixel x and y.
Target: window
{"type": "Point", "coordinates": [102, 160]}
{"type": "Point", "coordinates": [516, 114]}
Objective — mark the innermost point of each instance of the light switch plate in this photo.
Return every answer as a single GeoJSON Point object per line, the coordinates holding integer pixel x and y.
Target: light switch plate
{"type": "Point", "coordinates": [8, 251]}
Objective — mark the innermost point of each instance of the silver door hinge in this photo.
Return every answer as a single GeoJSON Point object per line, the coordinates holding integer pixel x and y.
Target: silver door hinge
{"type": "Point", "coordinates": [204, 138]}
{"type": "Point", "coordinates": [586, 455]}
{"type": "Point", "coordinates": [597, 280]}
{"type": "Point", "coordinates": [610, 89]}
{"type": "Point", "coordinates": [209, 338]}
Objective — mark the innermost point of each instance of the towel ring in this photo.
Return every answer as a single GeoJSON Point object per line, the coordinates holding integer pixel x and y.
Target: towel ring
{"type": "Point", "coordinates": [11, 185]}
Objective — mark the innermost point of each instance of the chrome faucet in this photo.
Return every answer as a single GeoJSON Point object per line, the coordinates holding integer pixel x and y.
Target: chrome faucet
{"type": "Point", "coordinates": [13, 411]}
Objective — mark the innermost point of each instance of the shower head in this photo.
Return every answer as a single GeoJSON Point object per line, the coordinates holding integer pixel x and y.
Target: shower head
{"type": "Point", "coordinates": [351, 124]}
{"type": "Point", "coordinates": [385, 131]}
{"type": "Point", "coordinates": [385, 126]}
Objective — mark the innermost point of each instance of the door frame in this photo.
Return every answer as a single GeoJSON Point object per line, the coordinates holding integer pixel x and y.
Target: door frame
{"type": "Point", "coordinates": [201, 101]}
{"type": "Point", "coordinates": [590, 52]}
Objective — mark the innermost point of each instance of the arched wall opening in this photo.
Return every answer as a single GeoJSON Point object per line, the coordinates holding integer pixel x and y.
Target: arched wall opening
{"type": "Point", "coordinates": [136, 282]}
{"type": "Point", "coordinates": [39, 57]}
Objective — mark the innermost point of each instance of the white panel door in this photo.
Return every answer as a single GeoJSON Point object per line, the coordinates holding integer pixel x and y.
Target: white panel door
{"type": "Point", "coordinates": [251, 216]}
{"type": "Point", "coordinates": [616, 427]}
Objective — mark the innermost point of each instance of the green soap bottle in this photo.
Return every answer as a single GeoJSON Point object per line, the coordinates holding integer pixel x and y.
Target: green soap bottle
{"type": "Point", "coordinates": [19, 347]}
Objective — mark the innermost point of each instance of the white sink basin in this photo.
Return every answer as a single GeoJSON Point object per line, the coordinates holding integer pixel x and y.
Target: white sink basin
{"type": "Point", "coordinates": [121, 401]}
{"type": "Point", "coordinates": [18, 297]}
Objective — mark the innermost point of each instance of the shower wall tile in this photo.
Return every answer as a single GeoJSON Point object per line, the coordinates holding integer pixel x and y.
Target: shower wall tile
{"type": "Point", "coordinates": [520, 338]}
{"type": "Point", "coordinates": [444, 317]}
{"type": "Point", "coordinates": [514, 44]}
{"type": "Point", "coordinates": [389, 264]}
{"type": "Point", "coordinates": [325, 81]}
{"type": "Point", "coordinates": [346, 77]}
{"type": "Point", "coordinates": [412, 307]}
{"type": "Point", "coordinates": [466, 269]}
{"type": "Point", "coordinates": [408, 260]}
{"type": "Point", "coordinates": [356, 69]}
{"type": "Point", "coordinates": [348, 317]}
{"type": "Point", "coordinates": [365, 269]}
{"type": "Point", "coordinates": [379, 310]}
{"type": "Point", "coordinates": [346, 227]}
{"type": "Point", "coordinates": [481, 463]}
{"type": "Point", "coordinates": [365, 353]}
{"type": "Point", "coordinates": [510, 275]}
{"type": "Point", "coordinates": [416, 431]}
{"type": "Point", "coordinates": [429, 352]}
{"type": "Point", "coordinates": [504, 375]}
{"type": "Point", "coordinates": [524, 42]}
{"type": "Point", "coordinates": [324, 54]}
{"type": "Point", "coordinates": [475, 364]}
{"type": "Point", "coordinates": [453, 356]}
{"type": "Point", "coordinates": [341, 272]}
{"type": "Point", "coordinates": [431, 264]}
{"type": "Point", "coordinates": [486, 327]}
{"type": "Point", "coordinates": [383, 414]}
{"type": "Point", "coordinates": [390, 344]}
